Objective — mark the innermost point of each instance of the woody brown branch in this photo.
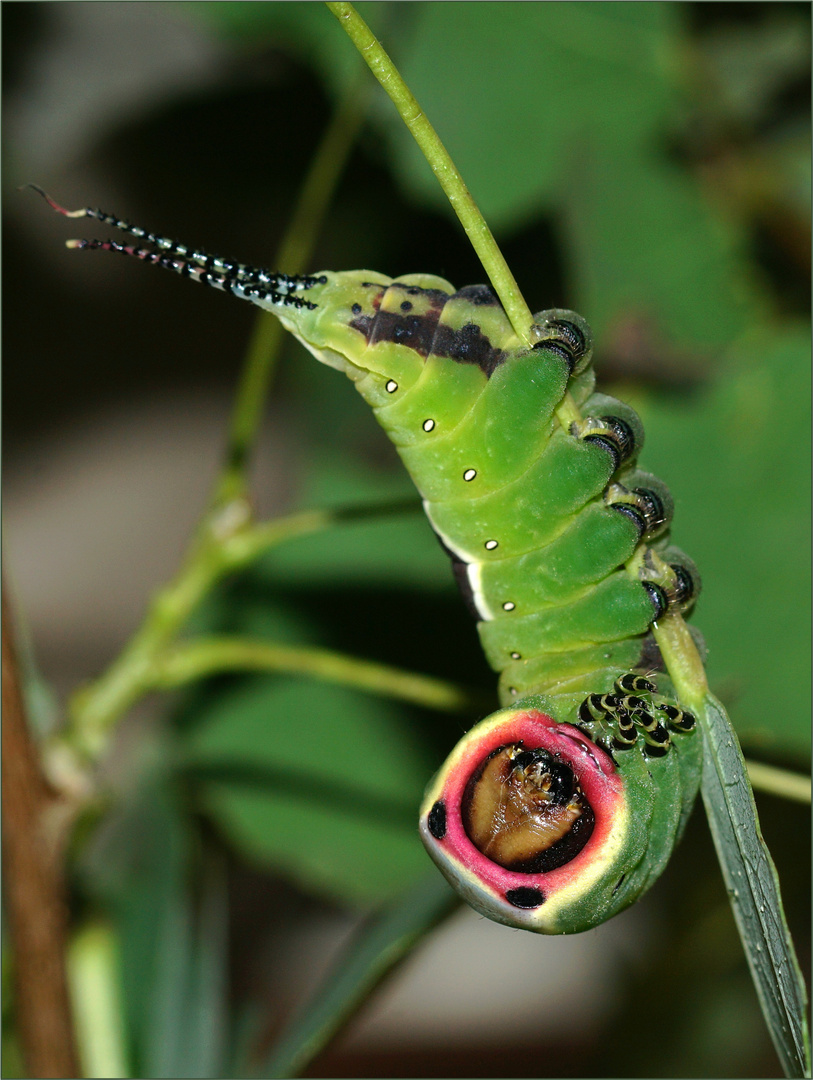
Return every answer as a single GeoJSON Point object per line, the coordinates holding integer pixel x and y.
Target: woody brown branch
{"type": "Point", "coordinates": [34, 888]}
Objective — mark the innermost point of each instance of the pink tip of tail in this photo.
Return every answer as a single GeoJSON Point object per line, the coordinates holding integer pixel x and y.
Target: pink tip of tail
{"type": "Point", "coordinates": [55, 205]}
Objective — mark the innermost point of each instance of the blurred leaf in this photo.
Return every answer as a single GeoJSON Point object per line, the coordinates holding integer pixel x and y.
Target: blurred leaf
{"type": "Point", "coordinates": [321, 782]}
{"type": "Point", "coordinates": [373, 954]}
{"type": "Point", "coordinates": [644, 243]}
{"type": "Point", "coordinates": [307, 29]}
{"type": "Point", "coordinates": [751, 64]}
{"type": "Point", "coordinates": [136, 865]}
{"type": "Point", "coordinates": [188, 1028]}
{"type": "Point", "coordinates": [738, 463]}
{"type": "Point", "coordinates": [514, 88]}
{"type": "Point", "coordinates": [397, 551]}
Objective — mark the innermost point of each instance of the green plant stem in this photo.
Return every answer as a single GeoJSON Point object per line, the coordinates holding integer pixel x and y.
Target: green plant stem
{"type": "Point", "coordinates": [682, 659]}
{"type": "Point", "coordinates": [781, 782]}
{"type": "Point", "coordinates": [95, 981]}
{"type": "Point", "coordinates": [454, 187]}
{"type": "Point", "coordinates": [95, 708]}
{"type": "Point", "coordinates": [201, 657]}
{"type": "Point", "coordinates": [442, 165]}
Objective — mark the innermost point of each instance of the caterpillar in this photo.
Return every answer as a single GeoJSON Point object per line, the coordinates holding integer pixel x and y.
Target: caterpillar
{"type": "Point", "coordinates": [559, 810]}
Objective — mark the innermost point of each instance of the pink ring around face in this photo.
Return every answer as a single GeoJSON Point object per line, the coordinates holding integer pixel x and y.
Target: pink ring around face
{"type": "Point", "coordinates": [592, 768]}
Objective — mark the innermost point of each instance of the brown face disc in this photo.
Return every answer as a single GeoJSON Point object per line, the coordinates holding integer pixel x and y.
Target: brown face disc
{"type": "Point", "coordinates": [524, 810]}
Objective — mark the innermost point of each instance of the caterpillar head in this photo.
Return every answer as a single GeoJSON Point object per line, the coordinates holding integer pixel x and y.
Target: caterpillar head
{"type": "Point", "coordinates": [531, 822]}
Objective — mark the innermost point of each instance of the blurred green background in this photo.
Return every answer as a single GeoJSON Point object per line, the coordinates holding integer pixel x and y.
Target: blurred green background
{"type": "Point", "coordinates": [645, 164]}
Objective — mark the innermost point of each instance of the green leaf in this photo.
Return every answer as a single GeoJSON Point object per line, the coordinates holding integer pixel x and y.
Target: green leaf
{"type": "Point", "coordinates": [186, 1036]}
{"type": "Point", "coordinates": [645, 245]}
{"type": "Point", "coordinates": [321, 782]}
{"type": "Point", "coordinates": [369, 958]}
{"type": "Point", "coordinates": [753, 889]}
{"type": "Point", "coordinates": [135, 865]}
{"type": "Point", "coordinates": [528, 83]}
{"type": "Point", "coordinates": [304, 28]}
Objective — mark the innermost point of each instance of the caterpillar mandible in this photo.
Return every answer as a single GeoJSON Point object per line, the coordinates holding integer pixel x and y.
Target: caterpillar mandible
{"type": "Point", "coordinates": [561, 809]}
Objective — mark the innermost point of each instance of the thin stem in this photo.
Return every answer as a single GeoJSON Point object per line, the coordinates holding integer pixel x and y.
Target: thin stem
{"type": "Point", "coordinates": [443, 167]}
{"type": "Point", "coordinates": [209, 656]}
{"type": "Point", "coordinates": [682, 659]}
{"type": "Point", "coordinates": [95, 708]}
{"type": "Point", "coordinates": [454, 187]}
{"type": "Point", "coordinates": [781, 782]}
{"type": "Point", "coordinates": [95, 981]}
{"type": "Point", "coordinates": [33, 887]}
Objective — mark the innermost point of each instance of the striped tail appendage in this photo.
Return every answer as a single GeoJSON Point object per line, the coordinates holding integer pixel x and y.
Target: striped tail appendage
{"type": "Point", "coordinates": [246, 282]}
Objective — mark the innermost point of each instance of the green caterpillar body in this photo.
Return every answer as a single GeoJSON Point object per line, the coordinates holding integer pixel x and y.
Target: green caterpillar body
{"type": "Point", "coordinates": [561, 809]}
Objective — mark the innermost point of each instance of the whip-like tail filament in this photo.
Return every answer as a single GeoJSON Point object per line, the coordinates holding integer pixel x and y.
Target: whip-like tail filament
{"type": "Point", "coordinates": [247, 282]}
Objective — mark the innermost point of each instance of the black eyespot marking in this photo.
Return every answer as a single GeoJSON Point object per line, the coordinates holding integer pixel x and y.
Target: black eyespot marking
{"type": "Point", "coordinates": [436, 820]}
{"type": "Point", "coordinates": [525, 897]}
{"type": "Point", "coordinates": [356, 309]}
{"type": "Point", "coordinates": [425, 334]}
{"type": "Point", "coordinates": [479, 295]}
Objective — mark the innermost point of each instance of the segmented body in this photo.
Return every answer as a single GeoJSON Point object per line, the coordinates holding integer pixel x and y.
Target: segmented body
{"type": "Point", "coordinates": [561, 809]}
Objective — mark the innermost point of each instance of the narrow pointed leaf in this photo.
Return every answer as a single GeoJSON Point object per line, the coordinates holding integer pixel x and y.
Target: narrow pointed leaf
{"type": "Point", "coordinates": [753, 889]}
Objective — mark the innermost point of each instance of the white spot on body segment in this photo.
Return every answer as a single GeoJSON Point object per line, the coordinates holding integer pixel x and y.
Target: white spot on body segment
{"type": "Point", "coordinates": [469, 557]}
{"type": "Point", "coordinates": [428, 425]}
{"type": "Point", "coordinates": [509, 605]}
{"type": "Point", "coordinates": [491, 544]}
{"type": "Point", "coordinates": [469, 474]}
{"type": "Point", "coordinates": [516, 656]}
{"type": "Point", "coordinates": [391, 386]}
